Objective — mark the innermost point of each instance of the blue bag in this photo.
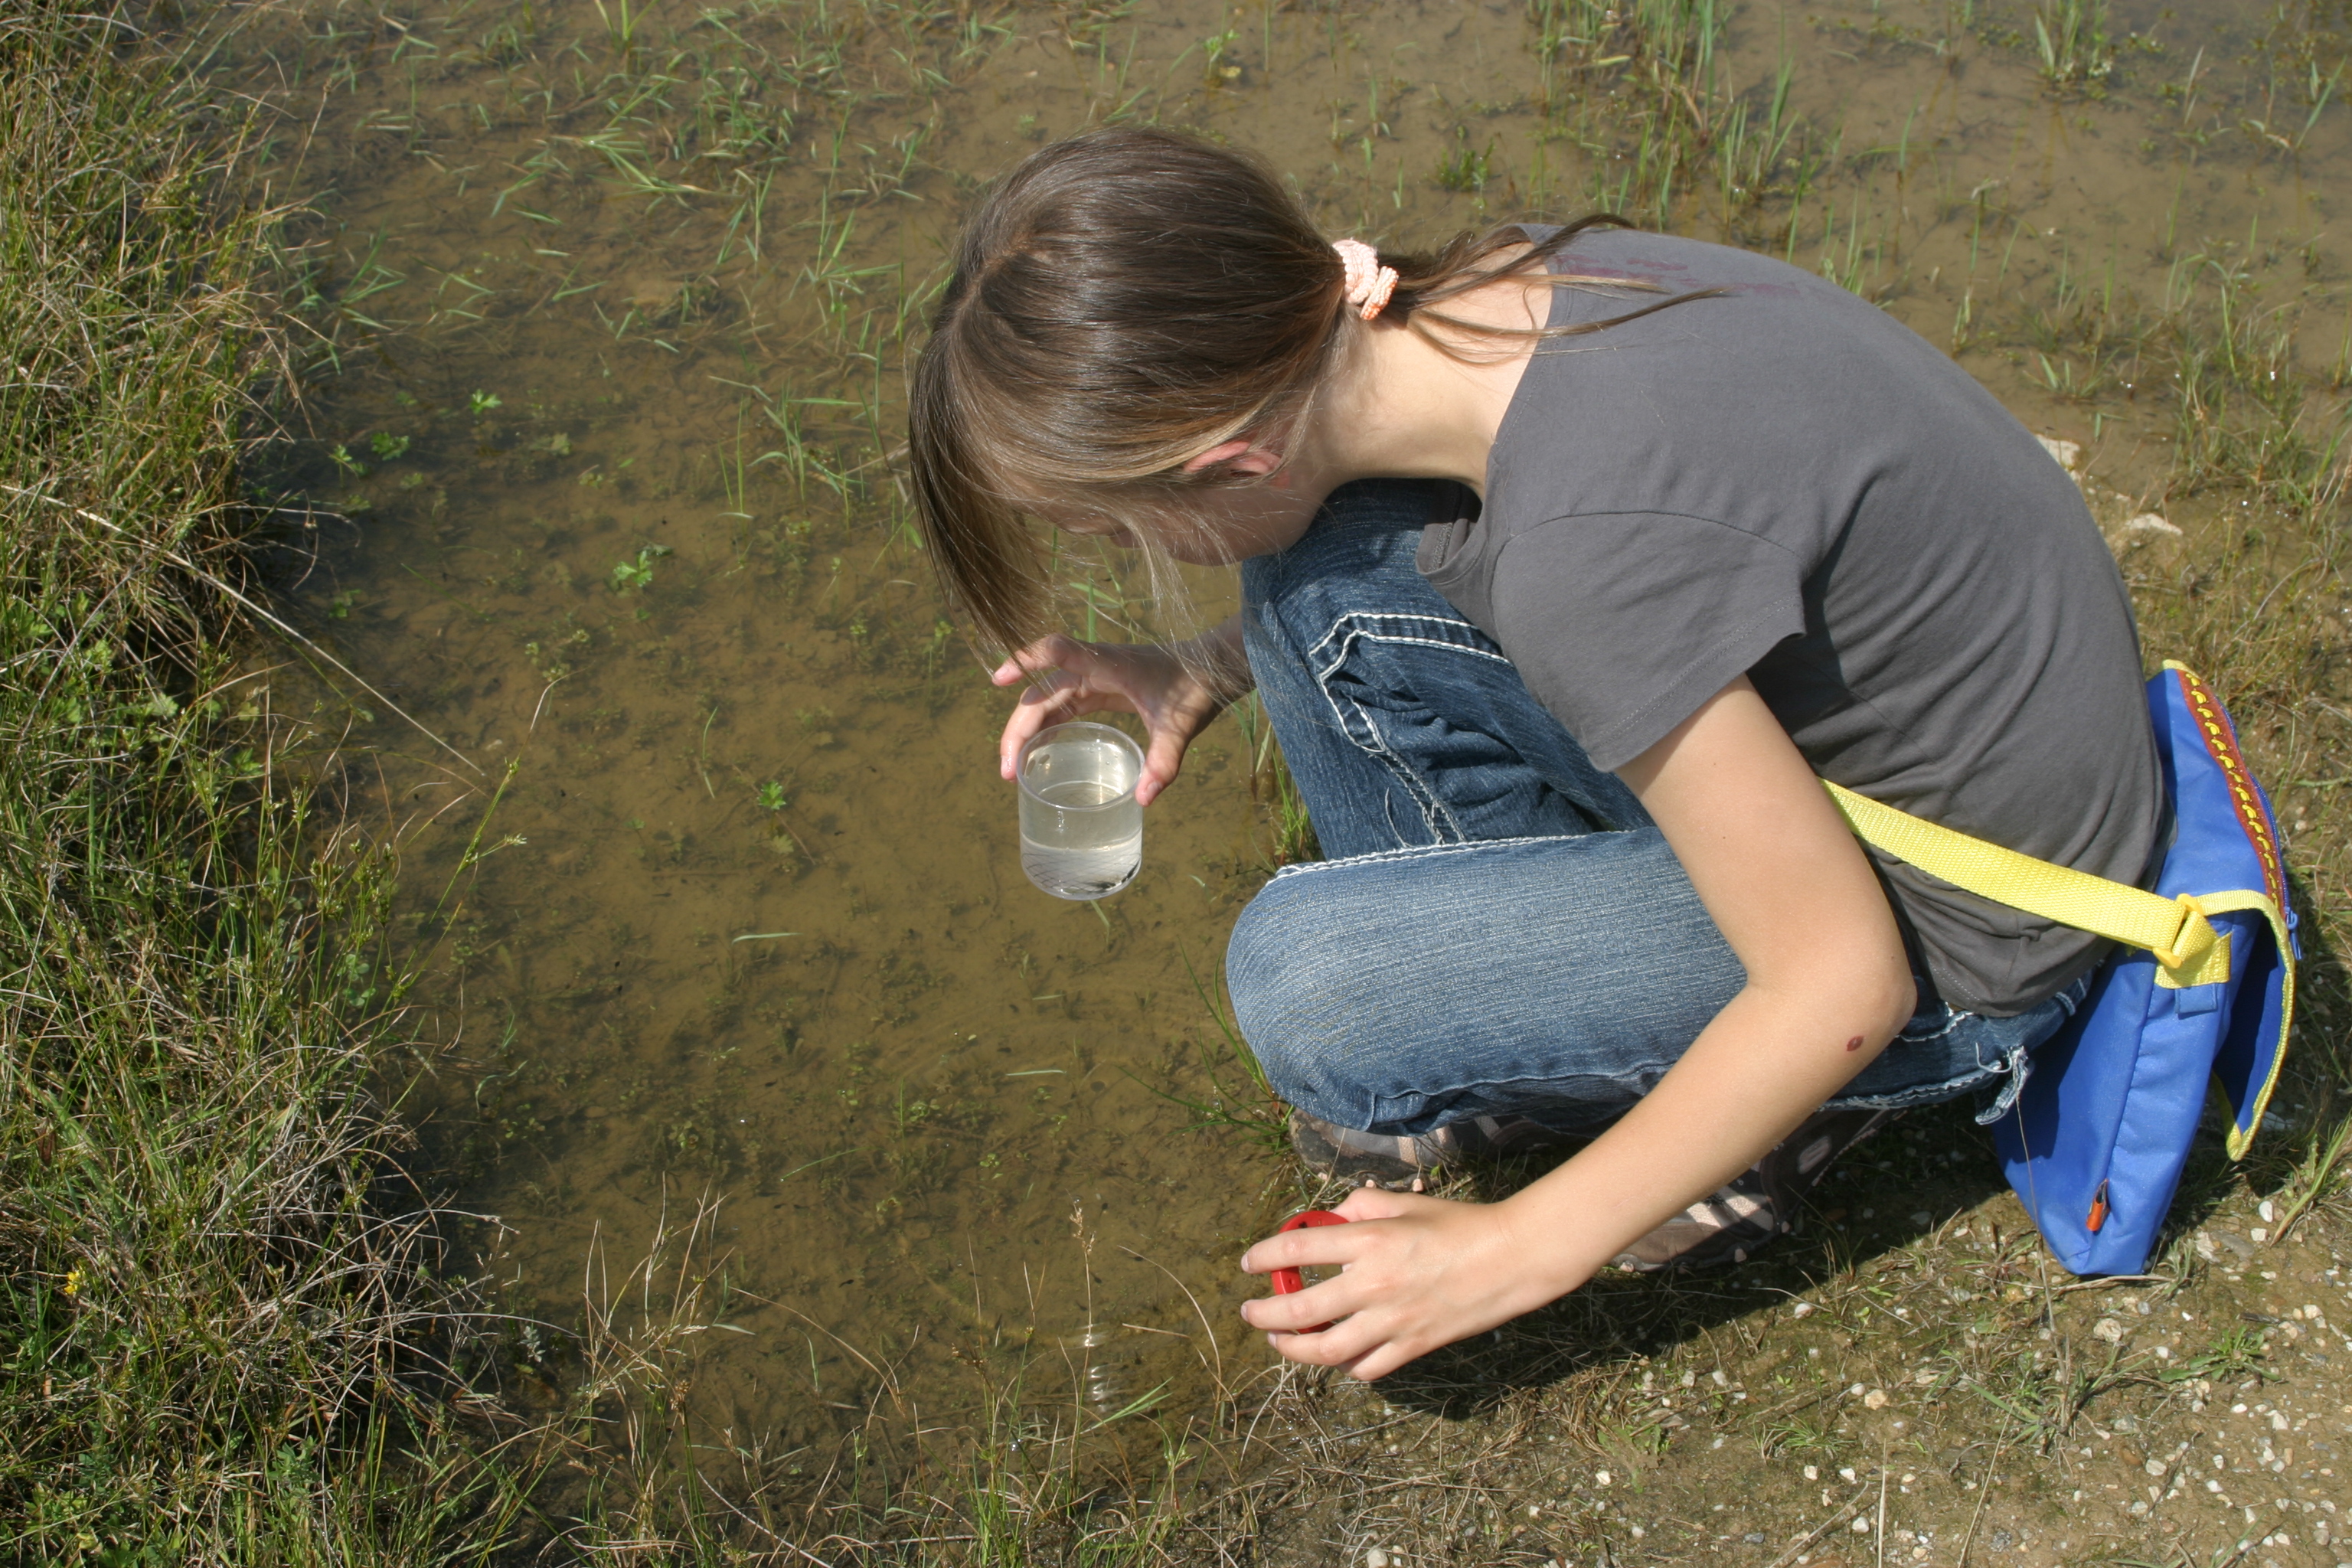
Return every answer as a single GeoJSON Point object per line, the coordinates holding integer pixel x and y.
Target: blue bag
{"type": "Point", "coordinates": [2101, 1131]}
{"type": "Point", "coordinates": [2201, 988]}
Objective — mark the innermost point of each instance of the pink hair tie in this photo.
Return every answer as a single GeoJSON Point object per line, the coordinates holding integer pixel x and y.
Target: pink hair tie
{"type": "Point", "coordinates": [1369, 284]}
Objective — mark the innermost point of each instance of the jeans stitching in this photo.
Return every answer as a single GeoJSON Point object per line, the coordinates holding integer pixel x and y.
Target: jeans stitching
{"type": "Point", "coordinates": [1367, 736]}
{"type": "Point", "coordinates": [1363, 733]}
{"type": "Point", "coordinates": [1952, 1017]}
{"type": "Point", "coordinates": [1437, 817]}
{"type": "Point", "coordinates": [1915, 1094]}
{"type": "Point", "coordinates": [1358, 623]}
{"type": "Point", "coordinates": [1418, 851]}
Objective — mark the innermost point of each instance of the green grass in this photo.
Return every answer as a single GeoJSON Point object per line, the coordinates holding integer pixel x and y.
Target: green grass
{"type": "Point", "coordinates": [221, 1337]}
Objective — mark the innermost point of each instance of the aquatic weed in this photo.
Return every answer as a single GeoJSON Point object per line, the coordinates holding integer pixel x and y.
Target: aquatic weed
{"type": "Point", "coordinates": [636, 576]}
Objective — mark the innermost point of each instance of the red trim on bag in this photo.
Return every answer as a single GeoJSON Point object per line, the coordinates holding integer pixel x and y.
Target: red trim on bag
{"type": "Point", "coordinates": [2222, 744]}
{"type": "Point", "coordinates": [2099, 1210]}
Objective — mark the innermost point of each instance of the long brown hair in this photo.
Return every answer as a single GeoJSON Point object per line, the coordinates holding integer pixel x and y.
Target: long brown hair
{"type": "Point", "coordinates": [1122, 301]}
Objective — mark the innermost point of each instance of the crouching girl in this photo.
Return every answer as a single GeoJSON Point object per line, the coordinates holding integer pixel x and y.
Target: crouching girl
{"type": "Point", "coordinates": [1572, 560]}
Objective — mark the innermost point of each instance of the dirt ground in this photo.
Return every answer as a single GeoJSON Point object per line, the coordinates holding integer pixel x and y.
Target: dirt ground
{"type": "Point", "coordinates": [1907, 1379]}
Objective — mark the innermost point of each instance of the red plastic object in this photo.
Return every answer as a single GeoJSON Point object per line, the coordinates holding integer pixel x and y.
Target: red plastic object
{"type": "Point", "coordinates": [1287, 1280]}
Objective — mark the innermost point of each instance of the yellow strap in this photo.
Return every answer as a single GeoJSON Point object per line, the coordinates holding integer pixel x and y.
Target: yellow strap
{"type": "Point", "coordinates": [2189, 951]}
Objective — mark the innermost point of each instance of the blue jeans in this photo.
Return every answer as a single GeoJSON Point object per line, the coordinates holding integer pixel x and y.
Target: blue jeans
{"type": "Point", "coordinates": [1500, 928]}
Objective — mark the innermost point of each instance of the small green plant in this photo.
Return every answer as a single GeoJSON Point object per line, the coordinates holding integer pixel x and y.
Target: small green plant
{"type": "Point", "coordinates": [345, 461]}
{"type": "Point", "coordinates": [1218, 69]}
{"type": "Point", "coordinates": [772, 797]}
{"type": "Point", "coordinates": [2071, 38]}
{"type": "Point", "coordinates": [636, 576]}
{"type": "Point", "coordinates": [482, 402]}
{"type": "Point", "coordinates": [388, 446]}
{"type": "Point", "coordinates": [1467, 170]}
{"type": "Point", "coordinates": [340, 606]}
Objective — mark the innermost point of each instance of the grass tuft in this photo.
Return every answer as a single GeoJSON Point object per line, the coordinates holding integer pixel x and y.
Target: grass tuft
{"type": "Point", "coordinates": [212, 1307]}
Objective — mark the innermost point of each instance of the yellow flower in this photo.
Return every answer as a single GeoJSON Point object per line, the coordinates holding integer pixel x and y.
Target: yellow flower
{"type": "Point", "coordinates": [73, 1280]}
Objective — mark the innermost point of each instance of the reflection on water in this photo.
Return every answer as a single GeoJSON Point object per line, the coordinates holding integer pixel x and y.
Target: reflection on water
{"type": "Point", "coordinates": [727, 901]}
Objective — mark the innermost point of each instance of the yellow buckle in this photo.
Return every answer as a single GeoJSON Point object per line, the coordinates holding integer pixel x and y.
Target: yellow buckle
{"type": "Point", "coordinates": [2197, 954]}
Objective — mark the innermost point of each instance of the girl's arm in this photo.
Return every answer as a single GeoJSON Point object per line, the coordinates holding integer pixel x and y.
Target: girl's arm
{"type": "Point", "coordinates": [1176, 690]}
{"type": "Point", "coordinates": [1827, 987]}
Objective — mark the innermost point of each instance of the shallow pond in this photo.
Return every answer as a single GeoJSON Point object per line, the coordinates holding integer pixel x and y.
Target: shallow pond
{"type": "Point", "coordinates": [716, 888]}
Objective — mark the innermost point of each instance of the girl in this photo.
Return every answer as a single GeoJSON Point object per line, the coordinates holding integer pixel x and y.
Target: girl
{"type": "Point", "coordinates": [1572, 560]}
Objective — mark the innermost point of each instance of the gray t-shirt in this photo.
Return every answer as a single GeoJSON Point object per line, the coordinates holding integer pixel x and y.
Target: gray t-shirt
{"type": "Point", "coordinates": [1786, 481]}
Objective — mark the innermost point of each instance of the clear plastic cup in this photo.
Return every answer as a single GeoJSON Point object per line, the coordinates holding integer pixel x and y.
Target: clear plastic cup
{"type": "Point", "coordinates": [1081, 826]}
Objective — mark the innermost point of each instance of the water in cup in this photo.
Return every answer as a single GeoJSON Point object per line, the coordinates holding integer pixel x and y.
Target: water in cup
{"type": "Point", "coordinates": [1081, 828]}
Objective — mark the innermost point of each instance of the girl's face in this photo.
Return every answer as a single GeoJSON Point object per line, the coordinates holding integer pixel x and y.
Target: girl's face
{"type": "Point", "coordinates": [1219, 526]}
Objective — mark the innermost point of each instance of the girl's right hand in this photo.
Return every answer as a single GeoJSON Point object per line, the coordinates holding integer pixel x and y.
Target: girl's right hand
{"type": "Point", "coordinates": [1068, 678]}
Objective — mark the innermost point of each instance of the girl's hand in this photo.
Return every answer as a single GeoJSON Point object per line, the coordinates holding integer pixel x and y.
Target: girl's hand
{"type": "Point", "coordinates": [1068, 678]}
{"type": "Point", "coordinates": [1417, 1273]}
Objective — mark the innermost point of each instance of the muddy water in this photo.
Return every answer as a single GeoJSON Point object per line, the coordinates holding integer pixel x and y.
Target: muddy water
{"type": "Point", "coordinates": [716, 888]}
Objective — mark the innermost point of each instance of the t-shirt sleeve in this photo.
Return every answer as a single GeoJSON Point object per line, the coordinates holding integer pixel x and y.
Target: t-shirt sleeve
{"type": "Point", "coordinates": [1623, 623]}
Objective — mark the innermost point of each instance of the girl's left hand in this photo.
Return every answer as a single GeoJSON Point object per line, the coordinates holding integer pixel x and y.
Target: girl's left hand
{"type": "Point", "coordinates": [1417, 1273]}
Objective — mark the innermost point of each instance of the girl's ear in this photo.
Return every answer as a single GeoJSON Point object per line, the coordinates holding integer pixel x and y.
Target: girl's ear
{"type": "Point", "coordinates": [1239, 456]}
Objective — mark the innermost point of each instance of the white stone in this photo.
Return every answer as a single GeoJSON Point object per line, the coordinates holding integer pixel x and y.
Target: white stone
{"type": "Point", "coordinates": [2268, 1210]}
{"type": "Point", "coordinates": [1875, 1400]}
{"type": "Point", "coordinates": [1601, 1478]}
{"type": "Point", "coordinates": [1376, 1558]}
{"type": "Point", "coordinates": [2068, 455]}
{"type": "Point", "coordinates": [2109, 1330]}
{"type": "Point", "coordinates": [1861, 1524]}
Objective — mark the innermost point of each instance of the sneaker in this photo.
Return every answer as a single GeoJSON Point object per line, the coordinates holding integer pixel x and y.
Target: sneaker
{"type": "Point", "coordinates": [1406, 1160]}
{"type": "Point", "coordinates": [1759, 1203]}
